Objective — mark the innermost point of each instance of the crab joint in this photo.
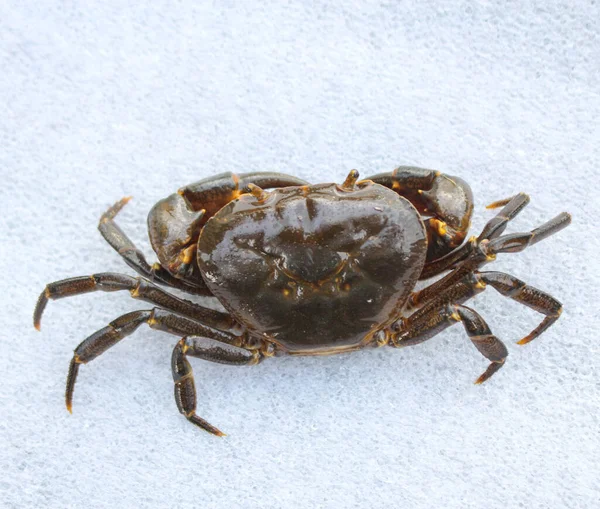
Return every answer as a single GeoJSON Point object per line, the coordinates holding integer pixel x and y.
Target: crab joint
{"type": "Point", "coordinates": [454, 315]}
{"type": "Point", "coordinates": [381, 338]}
{"type": "Point", "coordinates": [267, 349]}
{"type": "Point", "coordinates": [486, 251]}
{"type": "Point", "coordinates": [439, 226]}
{"type": "Point", "coordinates": [256, 358]}
{"type": "Point", "coordinates": [187, 255]}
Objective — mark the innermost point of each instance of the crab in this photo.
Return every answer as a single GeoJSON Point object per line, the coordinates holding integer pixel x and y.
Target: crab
{"type": "Point", "coordinates": [308, 269]}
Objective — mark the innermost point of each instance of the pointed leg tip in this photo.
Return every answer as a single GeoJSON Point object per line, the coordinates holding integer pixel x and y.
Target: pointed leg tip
{"type": "Point", "coordinates": [213, 431]}
{"type": "Point", "coordinates": [497, 204]}
{"type": "Point", "coordinates": [525, 199]}
{"type": "Point", "coordinates": [40, 306]}
{"type": "Point", "coordinates": [111, 213]}
{"type": "Point", "coordinates": [483, 378]}
{"type": "Point", "coordinates": [37, 319]}
{"type": "Point", "coordinates": [120, 204]}
{"type": "Point", "coordinates": [71, 378]}
{"type": "Point", "coordinates": [524, 341]}
{"type": "Point", "coordinates": [489, 372]}
{"type": "Point", "coordinates": [201, 423]}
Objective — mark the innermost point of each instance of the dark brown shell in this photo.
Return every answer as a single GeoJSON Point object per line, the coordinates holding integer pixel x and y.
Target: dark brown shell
{"type": "Point", "coordinates": [314, 268]}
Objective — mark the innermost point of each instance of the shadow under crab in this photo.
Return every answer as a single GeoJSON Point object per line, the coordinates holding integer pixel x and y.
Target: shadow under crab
{"type": "Point", "coordinates": [310, 270]}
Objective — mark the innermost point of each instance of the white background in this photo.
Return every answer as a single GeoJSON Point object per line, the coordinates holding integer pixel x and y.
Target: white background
{"type": "Point", "coordinates": [104, 99]}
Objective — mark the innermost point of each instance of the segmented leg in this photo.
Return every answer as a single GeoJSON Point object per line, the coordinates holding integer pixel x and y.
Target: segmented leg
{"type": "Point", "coordinates": [485, 251]}
{"type": "Point", "coordinates": [139, 289]}
{"type": "Point", "coordinates": [516, 242]}
{"type": "Point", "coordinates": [529, 296]}
{"type": "Point", "coordinates": [496, 226]}
{"type": "Point", "coordinates": [157, 318]}
{"type": "Point", "coordinates": [447, 200]}
{"type": "Point", "coordinates": [209, 350]}
{"type": "Point", "coordinates": [509, 286]}
{"type": "Point", "coordinates": [123, 245]}
{"type": "Point", "coordinates": [493, 228]}
{"type": "Point", "coordinates": [441, 302]}
{"type": "Point", "coordinates": [423, 326]}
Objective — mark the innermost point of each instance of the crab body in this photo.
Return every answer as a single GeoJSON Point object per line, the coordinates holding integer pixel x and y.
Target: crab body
{"type": "Point", "coordinates": [310, 270]}
{"type": "Point", "coordinates": [314, 269]}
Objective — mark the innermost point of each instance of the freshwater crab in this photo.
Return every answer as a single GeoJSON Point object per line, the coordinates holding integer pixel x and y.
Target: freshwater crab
{"type": "Point", "coordinates": [309, 270]}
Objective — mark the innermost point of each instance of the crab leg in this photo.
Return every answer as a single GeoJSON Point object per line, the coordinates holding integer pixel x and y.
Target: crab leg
{"type": "Point", "coordinates": [509, 286]}
{"type": "Point", "coordinates": [157, 318]}
{"type": "Point", "coordinates": [123, 245]}
{"type": "Point", "coordinates": [420, 327]}
{"type": "Point", "coordinates": [209, 350]}
{"type": "Point", "coordinates": [512, 207]}
{"type": "Point", "coordinates": [516, 242]}
{"type": "Point", "coordinates": [519, 291]}
{"type": "Point", "coordinates": [139, 288]}
{"type": "Point", "coordinates": [485, 251]}
{"type": "Point", "coordinates": [492, 229]}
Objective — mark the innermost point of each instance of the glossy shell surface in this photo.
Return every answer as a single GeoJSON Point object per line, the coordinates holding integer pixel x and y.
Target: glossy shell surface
{"type": "Point", "coordinates": [314, 269]}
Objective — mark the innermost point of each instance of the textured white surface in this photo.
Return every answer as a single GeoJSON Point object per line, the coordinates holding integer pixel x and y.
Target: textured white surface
{"type": "Point", "coordinates": [103, 99]}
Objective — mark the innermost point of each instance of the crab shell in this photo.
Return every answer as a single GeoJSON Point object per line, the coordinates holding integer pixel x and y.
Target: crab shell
{"type": "Point", "coordinates": [315, 269]}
